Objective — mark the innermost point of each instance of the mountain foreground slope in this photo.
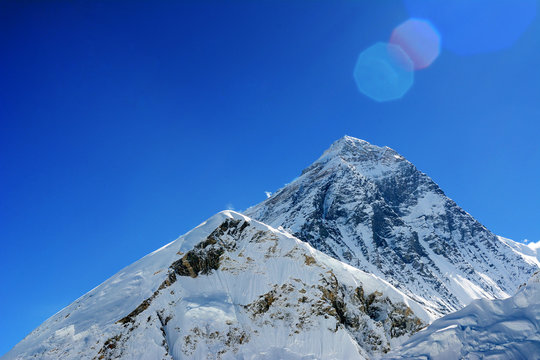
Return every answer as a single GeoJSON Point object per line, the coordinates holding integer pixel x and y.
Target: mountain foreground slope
{"type": "Point", "coordinates": [371, 208]}
{"type": "Point", "coordinates": [232, 288]}
{"type": "Point", "coordinates": [485, 329]}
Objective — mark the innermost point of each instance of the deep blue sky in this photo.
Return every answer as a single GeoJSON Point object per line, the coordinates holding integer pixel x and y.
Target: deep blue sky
{"type": "Point", "coordinates": [125, 124]}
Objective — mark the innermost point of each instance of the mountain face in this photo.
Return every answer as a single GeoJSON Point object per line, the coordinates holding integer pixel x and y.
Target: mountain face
{"type": "Point", "coordinates": [371, 208]}
{"type": "Point", "coordinates": [496, 329]}
{"type": "Point", "coordinates": [232, 288]}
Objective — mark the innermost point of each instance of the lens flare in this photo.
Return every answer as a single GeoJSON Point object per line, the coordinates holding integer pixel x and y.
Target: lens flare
{"type": "Point", "coordinates": [476, 26]}
{"type": "Point", "coordinates": [419, 40]}
{"type": "Point", "coordinates": [384, 72]}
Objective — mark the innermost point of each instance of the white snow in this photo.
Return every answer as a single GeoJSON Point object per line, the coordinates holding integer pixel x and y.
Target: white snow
{"type": "Point", "coordinates": [535, 247]}
{"type": "Point", "coordinates": [496, 329]}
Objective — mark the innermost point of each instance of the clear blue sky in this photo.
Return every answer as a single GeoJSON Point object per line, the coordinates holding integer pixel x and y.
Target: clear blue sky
{"type": "Point", "coordinates": [125, 124]}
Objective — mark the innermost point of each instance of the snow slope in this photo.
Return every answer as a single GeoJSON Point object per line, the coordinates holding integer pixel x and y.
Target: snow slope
{"type": "Point", "coordinates": [232, 288]}
{"type": "Point", "coordinates": [496, 329]}
{"type": "Point", "coordinates": [371, 208]}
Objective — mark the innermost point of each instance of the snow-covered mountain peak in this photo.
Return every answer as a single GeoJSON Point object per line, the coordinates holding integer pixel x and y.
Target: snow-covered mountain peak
{"type": "Point", "coordinates": [349, 144]}
{"type": "Point", "coordinates": [346, 262]}
{"type": "Point", "coordinates": [371, 208]}
{"type": "Point", "coordinates": [370, 160]}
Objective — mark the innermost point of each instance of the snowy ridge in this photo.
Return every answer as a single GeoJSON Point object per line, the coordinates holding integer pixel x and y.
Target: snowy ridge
{"type": "Point", "coordinates": [496, 329]}
{"type": "Point", "coordinates": [232, 288]}
{"type": "Point", "coordinates": [371, 208]}
{"type": "Point", "coordinates": [530, 253]}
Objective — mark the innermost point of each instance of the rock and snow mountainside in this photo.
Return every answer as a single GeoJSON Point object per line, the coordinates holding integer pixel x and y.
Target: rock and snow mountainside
{"type": "Point", "coordinates": [371, 208]}
{"type": "Point", "coordinates": [232, 288]}
{"type": "Point", "coordinates": [496, 329]}
{"type": "Point", "coordinates": [236, 288]}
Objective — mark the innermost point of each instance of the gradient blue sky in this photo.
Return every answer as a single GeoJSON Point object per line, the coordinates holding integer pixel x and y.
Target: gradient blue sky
{"type": "Point", "coordinates": [125, 124]}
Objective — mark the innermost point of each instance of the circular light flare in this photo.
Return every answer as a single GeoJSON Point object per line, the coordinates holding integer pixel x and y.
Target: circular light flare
{"type": "Point", "coordinates": [419, 39]}
{"type": "Point", "coordinates": [384, 72]}
{"type": "Point", "coordinates": [472, 27]}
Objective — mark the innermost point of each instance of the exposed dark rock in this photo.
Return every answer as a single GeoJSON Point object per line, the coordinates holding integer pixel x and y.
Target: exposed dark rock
{"type": "Point", "coordinates": [108, 350]}
{"type": "Point", "coordinates": [202, 260]}
{"type": "Point", "coordinates": [139, 309]}
{"type": "Point", "coordinates": [262, 305]}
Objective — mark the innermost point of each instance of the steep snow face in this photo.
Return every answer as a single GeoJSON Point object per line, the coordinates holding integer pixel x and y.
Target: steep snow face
{"type": "Point", "coordinates": [233, 288]}
{"type": "Point", "coordinates": [496, 329]}
{"type": "Point", "coordinates": [369, 207]}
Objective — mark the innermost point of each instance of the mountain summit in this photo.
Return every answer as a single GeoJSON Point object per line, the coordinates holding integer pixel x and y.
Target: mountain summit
{"type": "Point", "coordinates": [371, 208]}
{"type": "Point", "coordinates": [358, 151]}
